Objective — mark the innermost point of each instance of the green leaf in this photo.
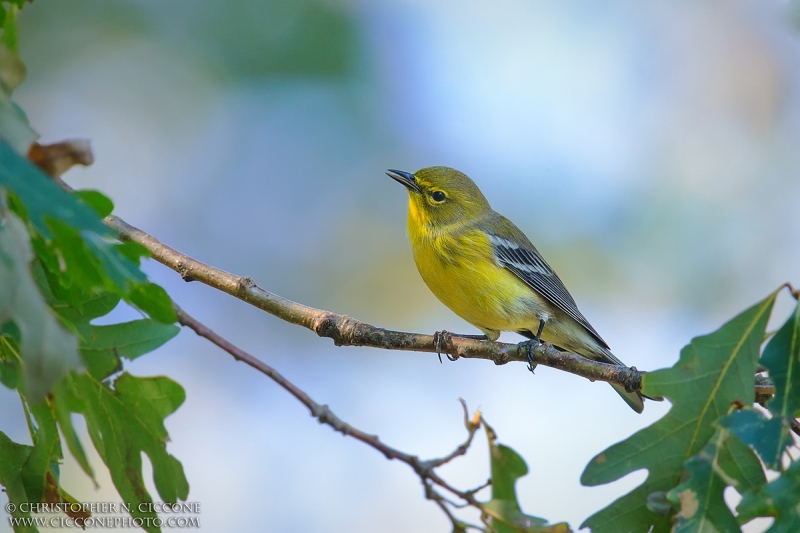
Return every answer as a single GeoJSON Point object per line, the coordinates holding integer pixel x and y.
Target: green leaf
{"type": "Point", "coordinates": [72, 271]}
{"type": "Point", "coordinates": [79, 265]}
{"type": "Point", "coordinates": [14, 128]}
{"type": "Point", "coordinates": [74, 249]}
{"type": "Point", "coordinates": [771, 436]}
{"type": "Point", "coordinates": [8, 23]}
{"type": "Point", "coordinates": [10, 360]}
{"type": "Point", "coordinates": [41, 196]}
{"type": "Point", "coordinates": [65, 403]}
{"type": "Point", "coordinates": [120, 270]}
{"type": "Point", "coordinates": [724, 462]}
{"type": "Point", "coordinates": [782, 358]}
{"type": "Point", "coordinates": [46, 450]}
{"type": "Point", "coordinates": [73, 304]}
{"type": "Point", "coordinates": [507, 467]}
{"type": "Point", "coordinates": [47, 268]}
{"type": "Point", "coordinates": [47, 350]}
{"type": "Point", "coordinates": [98, 201]}
{"type": "Point", "coordinates": [742, 469]}
{"type": "Point", "coordinates": [154, 300]}
{"type": "Point", "coordinates": [133, 251]}
{"type": "Point", "coordinates": [125, 422]}
{"type": "Point", "coordinates": [753, 429]}
{"type": "Point", "coordinates": [713, 371]}
{"type": "Point", "coordinates": [10, 30]}
{"type": "Point", "coordinates": [91, 307]}
{"type": "Point", "coordinates": [12, 459]}
{"type": "Point", "coordinates": [778, 499]}
{"type": "Point", "coordinates": [102, 346]}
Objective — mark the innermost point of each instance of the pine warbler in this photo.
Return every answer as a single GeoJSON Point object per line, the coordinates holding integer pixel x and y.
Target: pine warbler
{"type": "Point", "coordinates": [481, 266]}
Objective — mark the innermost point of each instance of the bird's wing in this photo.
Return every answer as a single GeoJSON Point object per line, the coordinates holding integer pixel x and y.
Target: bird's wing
{"type": "Point", "coordinates": [521, 257]}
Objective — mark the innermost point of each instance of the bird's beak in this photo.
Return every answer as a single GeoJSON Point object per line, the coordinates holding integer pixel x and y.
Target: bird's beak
{"type": "Point", "coordinates": [406, 178]}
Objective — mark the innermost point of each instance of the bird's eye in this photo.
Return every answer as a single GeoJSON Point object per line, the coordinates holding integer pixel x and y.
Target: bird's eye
{"type": "Point", "coordinates": [438, 196]}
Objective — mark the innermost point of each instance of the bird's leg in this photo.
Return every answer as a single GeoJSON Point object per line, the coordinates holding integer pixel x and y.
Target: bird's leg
{"type": "Point", "coordinates": [444, 337]}
{"type": "Point", "coordinates": [531, 344]}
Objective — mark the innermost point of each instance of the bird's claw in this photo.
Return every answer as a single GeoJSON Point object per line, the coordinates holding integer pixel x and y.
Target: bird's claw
{"type": "Point", "coordinates": [532, 344]}
{"type": "Point", "coordinates": [529, 347]}
{"type": "Point", "coordinates": [443, 338]}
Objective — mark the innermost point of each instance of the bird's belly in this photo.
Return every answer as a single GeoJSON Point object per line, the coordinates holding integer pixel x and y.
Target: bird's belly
{"type": "Point", "coordinates": [465, 277]}
{"type": "Point", "coordinates": [481, 292]}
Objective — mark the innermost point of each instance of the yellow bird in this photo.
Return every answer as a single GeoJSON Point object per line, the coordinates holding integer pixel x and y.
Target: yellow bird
{"type": "Point", "coordinates": [481, 266]}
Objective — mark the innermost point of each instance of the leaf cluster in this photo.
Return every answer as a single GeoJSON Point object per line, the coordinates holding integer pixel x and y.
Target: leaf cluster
{"type": "Point", "coordinates": [61, 269]}
{"type": "Point", "coordinates": [715, 436]}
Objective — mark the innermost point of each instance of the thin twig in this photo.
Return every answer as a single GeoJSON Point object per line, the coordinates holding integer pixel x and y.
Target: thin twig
{"type": "Point", "coordinates": [765, 389]}
{"type": "Point", "coordinates": [321, 412]}
{"type": "Point", "coordinates": [424, 469]}
{"type": "Point", "coordinates": [794, 292]}
{"type": "Point", "coordinates": [458, 525]}
{"type": "Point", "coordinates": [472, 426]}
{"type": "Point", "coordinates": [480, 487]}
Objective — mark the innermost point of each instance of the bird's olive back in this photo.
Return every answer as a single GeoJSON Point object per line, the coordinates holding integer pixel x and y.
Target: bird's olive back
{"type": "Point", "coordinates": [446, 196]}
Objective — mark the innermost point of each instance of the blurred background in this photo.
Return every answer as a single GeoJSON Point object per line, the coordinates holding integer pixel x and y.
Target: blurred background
{"type": "Point", "coordinates": [649, 150]}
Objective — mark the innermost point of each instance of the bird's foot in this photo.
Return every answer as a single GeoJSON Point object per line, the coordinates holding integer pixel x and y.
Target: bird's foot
{"type": "Point", "coordinates": [443, 338]}
{"type": "Point", "coordinates": [530, 346]}
{"type": "Point", "coordinates": [440, 340]}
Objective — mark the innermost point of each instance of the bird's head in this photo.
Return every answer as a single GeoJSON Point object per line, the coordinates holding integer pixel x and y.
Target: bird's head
{"type": "Point", "coordinates": [440, 196]}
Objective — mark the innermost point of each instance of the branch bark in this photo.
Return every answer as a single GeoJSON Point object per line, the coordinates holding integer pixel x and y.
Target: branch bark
{"type": "Point", "coordinates": [347, 331]}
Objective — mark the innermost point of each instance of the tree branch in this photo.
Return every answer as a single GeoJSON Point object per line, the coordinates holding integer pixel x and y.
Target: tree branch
{"type": "Point", "coordinates": [343, 330]}
{"type": "Point", "coordinates": [424, 469]}
{"type": "Point", "coordinates": [347, 331]}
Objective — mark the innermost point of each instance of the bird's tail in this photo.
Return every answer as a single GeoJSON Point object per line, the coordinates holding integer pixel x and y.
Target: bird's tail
{"type": "Point", "coordinates": [634, 399]}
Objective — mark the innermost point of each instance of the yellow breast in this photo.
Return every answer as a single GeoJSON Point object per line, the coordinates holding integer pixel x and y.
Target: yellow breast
{"type": "Point", "coordinates": [459, 268]}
